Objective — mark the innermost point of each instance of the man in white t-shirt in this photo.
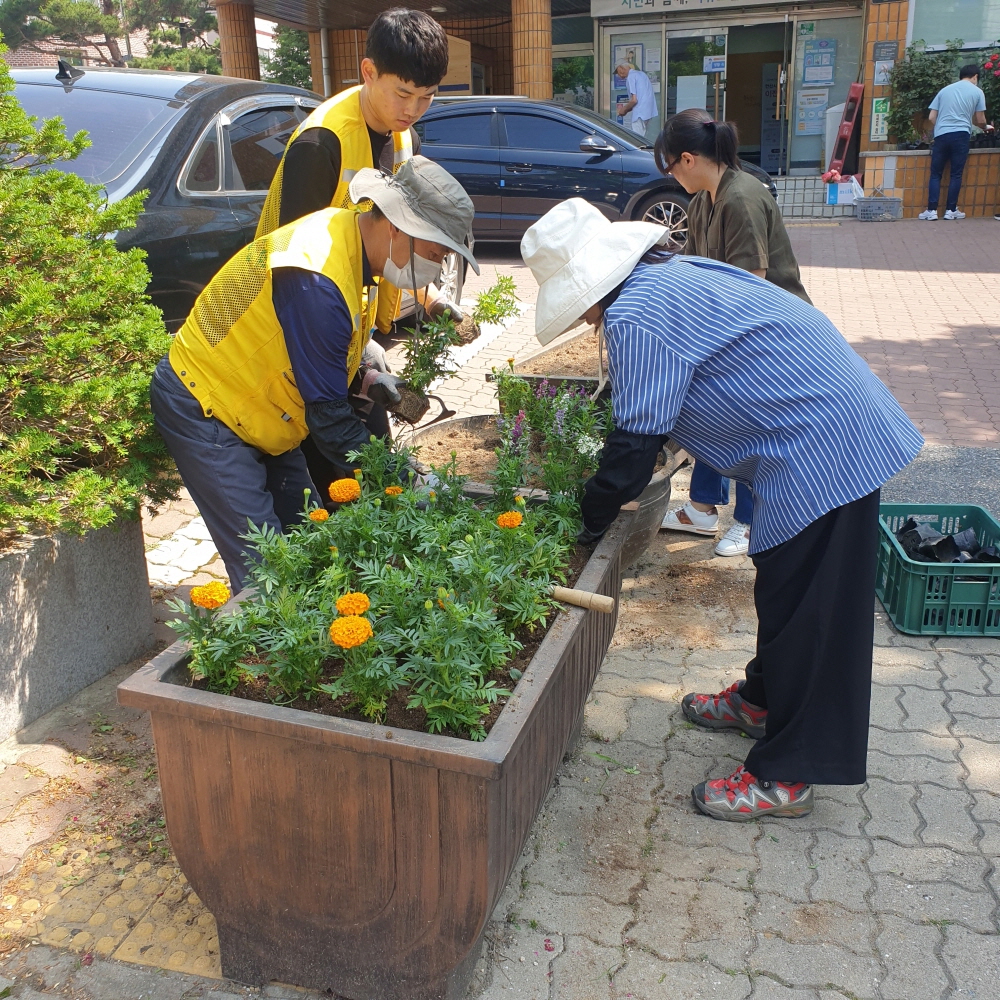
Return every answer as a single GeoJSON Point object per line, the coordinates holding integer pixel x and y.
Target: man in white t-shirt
{"type": "Point", "coordinates": [953, 112]}
{"type": "Point", "coordinates": [641, 101]}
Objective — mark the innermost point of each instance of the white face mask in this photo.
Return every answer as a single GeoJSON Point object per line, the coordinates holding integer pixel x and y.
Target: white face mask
{"type": "Point", "coordinates": [425, 272]}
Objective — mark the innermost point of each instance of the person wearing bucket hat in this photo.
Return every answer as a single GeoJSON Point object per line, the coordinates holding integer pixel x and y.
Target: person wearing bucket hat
{"type": "Point", "coordinates": [272, 350]}
{"type": "Point", "coordinates": [760, 385]}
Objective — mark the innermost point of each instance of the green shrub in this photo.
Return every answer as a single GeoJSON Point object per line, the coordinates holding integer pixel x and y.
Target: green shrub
{"type": "Point", "coordinates": [497, 303]}
{"type": "Point", "coordinates": [79, 340]}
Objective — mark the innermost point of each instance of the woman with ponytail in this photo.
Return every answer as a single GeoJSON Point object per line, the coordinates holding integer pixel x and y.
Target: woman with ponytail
{"type": "Point", "coordinates": [733, 218]}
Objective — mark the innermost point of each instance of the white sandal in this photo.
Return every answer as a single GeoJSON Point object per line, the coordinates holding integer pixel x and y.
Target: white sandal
{"type": "Point", "coordinates": [701, 523]}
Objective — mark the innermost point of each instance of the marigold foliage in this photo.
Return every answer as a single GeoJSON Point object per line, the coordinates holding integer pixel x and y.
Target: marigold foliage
{"type": "Point", "coordinates": [79, 339]}
{"type": "Point", "coordinates": [353, 604]}
{"type": "Point", "coordinates": [510, 519]}
{"type": "Point", "coordinates": [344, 490]}
{"type": "Point", "coordinates": [350, 631]}
{"type": "Point", "coordinates": [210, 595]}
{"type": "Point", "coordinates": [319, 514]}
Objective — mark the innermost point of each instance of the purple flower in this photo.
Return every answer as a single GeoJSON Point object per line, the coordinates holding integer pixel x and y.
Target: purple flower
{"type": "Point", "coordinates": [553, 390]}
{"type": "Point", "coordinates": [560, 417]}
{"type": "Point", "coordinates": [518, 427]}
{"type": "Point", "coordinates": [542, 388]}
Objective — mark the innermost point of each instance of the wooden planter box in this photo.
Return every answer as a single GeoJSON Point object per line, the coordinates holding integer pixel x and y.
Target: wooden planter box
{"type": "Point", "coordinates": [354, 858]}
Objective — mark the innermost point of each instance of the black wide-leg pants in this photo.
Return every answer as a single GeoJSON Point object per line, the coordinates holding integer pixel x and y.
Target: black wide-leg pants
{"type": "Point", "coordinates": [814, 596]}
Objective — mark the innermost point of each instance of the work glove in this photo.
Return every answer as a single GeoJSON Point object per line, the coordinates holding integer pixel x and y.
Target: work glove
{"type": "Point", "coordinates": [381, 388]}
{"type": "Point", "coordinates": [445, 308]}
{"type": "Point", "coordinates": [374, 357]}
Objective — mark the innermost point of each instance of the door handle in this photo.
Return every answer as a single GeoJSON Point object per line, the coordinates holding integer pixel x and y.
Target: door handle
{"type": "Point", "coordinates": [519, 168]}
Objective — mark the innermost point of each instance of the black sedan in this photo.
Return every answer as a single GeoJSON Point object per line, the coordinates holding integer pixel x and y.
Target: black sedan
{"type": "Point", "coordinates": [518, 158]}
{"type": "Point", "coordinates": [205, 147]}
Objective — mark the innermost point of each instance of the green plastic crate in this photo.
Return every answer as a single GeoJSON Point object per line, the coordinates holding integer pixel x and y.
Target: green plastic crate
{"type": "Point", "coordinates": [938, 598]}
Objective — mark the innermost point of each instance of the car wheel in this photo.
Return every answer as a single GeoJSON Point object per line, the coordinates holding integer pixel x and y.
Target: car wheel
{"type": "Point", "coordinates": [669, 210]}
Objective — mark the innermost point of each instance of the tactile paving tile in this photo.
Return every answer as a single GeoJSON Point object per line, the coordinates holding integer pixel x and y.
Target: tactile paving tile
{"type": "Point", "coordinates": [93, 901]}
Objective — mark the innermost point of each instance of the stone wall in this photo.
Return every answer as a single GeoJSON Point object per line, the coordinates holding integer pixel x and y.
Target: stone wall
{"type": "Point", "coordinates": [71, 610]}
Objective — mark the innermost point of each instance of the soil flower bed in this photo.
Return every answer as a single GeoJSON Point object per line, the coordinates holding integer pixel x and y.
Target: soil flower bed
{"type": "Point", "coordinates": [405, 605]}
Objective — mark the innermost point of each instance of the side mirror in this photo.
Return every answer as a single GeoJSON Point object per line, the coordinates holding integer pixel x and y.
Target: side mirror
{"type": "Point", "coordinates": [595, 144]}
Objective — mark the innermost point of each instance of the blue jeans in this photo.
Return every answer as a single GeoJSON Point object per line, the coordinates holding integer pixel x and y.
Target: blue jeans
{"type": "Point", "coordinates": [708, 486]}
{"type": "Point", "coordinates": [230, 481]}
{"type": "Point", "coordinates": [953, 148]}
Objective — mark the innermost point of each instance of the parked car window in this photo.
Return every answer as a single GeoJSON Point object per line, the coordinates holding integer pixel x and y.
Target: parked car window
{"type": "Point", "coordinates": [120, 126]}
{"type": "Point", "coordinates": [458, 130]}
{"type": "Point", "coordinates": [203, 174]}
{"type": "Point", "coordinates": [257, 139]}
{"type": "Point", "coordinates": [540, 132]}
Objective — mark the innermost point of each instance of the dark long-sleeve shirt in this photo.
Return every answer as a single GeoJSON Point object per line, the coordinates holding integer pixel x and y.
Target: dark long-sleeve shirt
{"type": "Point", "coordinates": [312, 170]}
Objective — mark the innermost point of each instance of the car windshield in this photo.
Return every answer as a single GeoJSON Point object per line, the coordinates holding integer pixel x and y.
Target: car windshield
{"type": "Point", "coordinates": [120, 126]}
{"type": "Point", "coordinates": [627, 135]}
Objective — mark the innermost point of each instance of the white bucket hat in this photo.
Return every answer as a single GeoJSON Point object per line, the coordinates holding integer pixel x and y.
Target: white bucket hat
{"type": "Point", "coordinates": [423, 200]}
{"type": "Point", "coordinates": [577, 256]}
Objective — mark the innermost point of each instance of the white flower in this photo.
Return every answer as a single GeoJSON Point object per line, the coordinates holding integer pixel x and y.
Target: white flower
{"type": "Point", "coordinates": [588, 446]}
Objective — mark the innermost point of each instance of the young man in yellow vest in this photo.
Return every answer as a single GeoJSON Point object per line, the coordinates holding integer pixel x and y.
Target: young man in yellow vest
{"type": "Point", "coordinates": [406, 57]}
{"type": "Point", "coordinates": [276, 339]}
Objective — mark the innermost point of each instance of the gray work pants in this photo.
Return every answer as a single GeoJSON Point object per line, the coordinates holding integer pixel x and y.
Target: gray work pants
{"type": "Point", "coordinates": [231, 482]}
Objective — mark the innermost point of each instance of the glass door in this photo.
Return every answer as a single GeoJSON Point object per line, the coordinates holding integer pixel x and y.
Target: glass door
{"type": "Point", "coordinates": [639, 52]}
{"type": "Point", "coordinates": [696, 69]}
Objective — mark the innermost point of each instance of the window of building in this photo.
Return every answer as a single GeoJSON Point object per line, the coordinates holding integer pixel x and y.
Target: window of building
{"type": "Point", "coordinates": [976, 22]}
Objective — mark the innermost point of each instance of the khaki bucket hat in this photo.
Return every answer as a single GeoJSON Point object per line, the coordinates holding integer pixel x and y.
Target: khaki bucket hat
{"type": "Point", "coordinates": [423, 200]}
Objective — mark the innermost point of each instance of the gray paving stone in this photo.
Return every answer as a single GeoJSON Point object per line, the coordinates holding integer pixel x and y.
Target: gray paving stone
{"type": "Point", "coordinates": [606, 716]}
{"type": "Point", "coordinates": [907, 951]}
{"type": "Point", "coordinates": [784, 863]}
{"type": "Point", "coordinates": [984, 706]}
{"type": "Point", "coordinates": [901, 665]}
{"type": "Point", "coordinates": [817, 965]}
{"type": "Point", "coordinates": [885, 708]}
{"type": "Point", "coordinates": [945, 813]}
{"type": "Point", "coordinates": [934, 902]}
{"type": "Point", "coordinates": [970, 644]}
{"type": "Point", "coordinates": [928, 864]}
{"type": "Point", "coordinates": [768, 989]}
{"type": "Point", "coordinates": [839, 875]}
{"type": "Point", "coordinates": [814, 923]}
{"type": "Point", "coordinates": [892, 811]}
{"type": "Point", "coordinates": [681, 919]}
{"type": "Point", "coordinates": [986, 806]}
{"type": "Point", "coordinates": [973, 961]}
{"type": "Point", "coordinates": [962, 672]}
{"type": "Point", "coordinates": [991, 667]}
{"type": "Point", "coordinates": [917, 768]}
{"type": "Point", "coordinates": [983, 762]}
{"type": "Point", "coordinates": [679, 823]}
{"type": "Point", "coordinates": [531, 978]}
{"type": "Point", "coordinates": [582, 971]}
{"type": "Point", "coordinates": [645, 978]}
{"type": "Point", "coordinates": [912, 744]}
{"type": "Point", "coordinates": [973, 727]}
{"type": "Point", "coordinates": [585, 916]}
{"type": "Point", "coordinates": [925, 710]}
{"type": "Point", "coordinates": [650, 721]}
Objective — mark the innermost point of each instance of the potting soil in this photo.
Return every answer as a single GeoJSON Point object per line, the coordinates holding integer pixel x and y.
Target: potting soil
{"type": "Point", "coordinates": [578, 356]}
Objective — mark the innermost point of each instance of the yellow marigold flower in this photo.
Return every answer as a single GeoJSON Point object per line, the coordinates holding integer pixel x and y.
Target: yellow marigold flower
{"type": "Point", "coordinates": [334, 549]}
{"type": "Point", "coordinates": [393, 491]}
{"type": "Point", "coordinates": [211, 595]}
{"type": "Point", "coordinates": [432, 495]}
{"type": "Point", "coordinates": [344, 490]}
{"type": "Point", "coordinates": [350, 631]}
{"type": "Point", "coordinates": [519, 500]}
{"type": "Point", "coordinates": [510, 519]}
{"type": "Point", "coordinates": [354, 603]}
{"type": "Point", "coordinates": [319, 514]}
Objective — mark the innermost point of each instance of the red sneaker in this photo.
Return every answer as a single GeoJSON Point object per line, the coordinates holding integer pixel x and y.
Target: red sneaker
{"type": "Point", "coordinates": [725, 710]}
{"type": "Point", "coordinates": [742, 797]}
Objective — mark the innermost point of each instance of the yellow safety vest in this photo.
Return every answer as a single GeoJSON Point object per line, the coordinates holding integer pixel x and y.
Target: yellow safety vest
{"type": "Point", "coordinates": [231, 353]}
{"type": "Point", "coordinates": [342, 116]}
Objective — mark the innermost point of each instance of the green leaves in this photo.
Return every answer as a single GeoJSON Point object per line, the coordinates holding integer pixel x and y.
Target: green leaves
{"type": "Point", "coordinates": [79, 340]}
{"type": "Point", "coordinates": [448, 589]}
{"type": "Point", "coordinates": [427, 353]}
{"type": "Point", "coordinates": [497, 303]}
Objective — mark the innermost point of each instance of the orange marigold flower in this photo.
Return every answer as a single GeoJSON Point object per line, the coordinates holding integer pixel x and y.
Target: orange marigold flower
{"type": "Point", "coordinates": [344, 490]}
{"type": "Point", "coordinates": [319, 514]}
{"type": "Point", "coordinates": [354, 603]}
{"type": "Point", "coordinates": [510, 519]}
{"type": "Point", "coordinates": [393, 491]}
{"type": "Point", "coordinates": [357, 475]}
{"type": "Point", "coordinates": [350, 631]}
{"type": "Point", "coordinates": [211, 595]}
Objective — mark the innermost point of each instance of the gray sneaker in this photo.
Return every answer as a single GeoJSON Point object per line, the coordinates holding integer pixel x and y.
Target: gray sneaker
{"type": "Point", "coordinates": [742, 797]}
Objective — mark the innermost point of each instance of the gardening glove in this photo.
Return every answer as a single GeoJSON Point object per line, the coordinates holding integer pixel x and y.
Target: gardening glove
{"type": "Point", "coordinates": [445, 308]}
{"type": "Point", "coordinates": [374, 357]}
{"type": "Point", "coordinates": [381, 388]}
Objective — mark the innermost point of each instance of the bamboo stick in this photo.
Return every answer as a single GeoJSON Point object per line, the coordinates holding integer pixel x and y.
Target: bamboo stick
{"type": "Point", "coordinates": [584, 599]}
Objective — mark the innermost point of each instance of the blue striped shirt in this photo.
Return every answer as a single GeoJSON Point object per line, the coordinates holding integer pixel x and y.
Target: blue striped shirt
{"type": "Point", "coordinates": [757, 384]}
